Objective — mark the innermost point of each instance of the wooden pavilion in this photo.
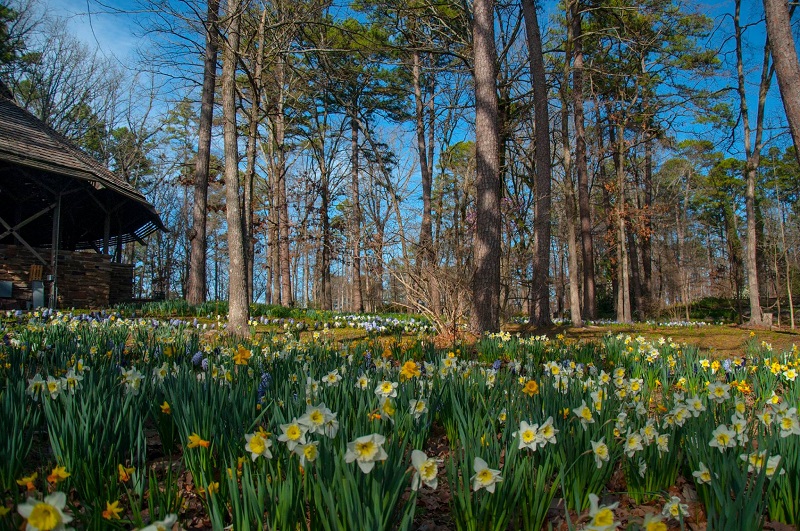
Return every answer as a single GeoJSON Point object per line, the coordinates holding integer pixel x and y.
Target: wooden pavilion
{"type": "Point", "coordinates": [63, 220]}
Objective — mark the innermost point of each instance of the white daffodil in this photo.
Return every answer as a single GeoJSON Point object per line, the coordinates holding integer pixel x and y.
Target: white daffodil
{"type": "Point", "coordinates": [527, 435]}
{"type": "Point", "coordinates": [703, 475]}
{"type": "Point", "coordinates": [258, 444]}
{"type": "Point", "coordinates": [675, 509]}
{"type": "Point", "coordinates": [386, 389]}
{"type": "Point", "coordinates": [315, 418]}
{"type": "Point", "coordinates": [547, 432]}
{"type": "Point", "coordinates": [485, 477]}
{"type": "Point", "coordinates": [633, 443]}
{"type": "Point", "coordinates": [293, 434]}
{"type": "Point", "coordinates": [366, 451]}
{"type": "Point", "coordinates": [425, 470]}
{"type": "Point", "coordinates": [417, 408]}
{"type": "Point", "coordinates": [719, 392]}
{"type": "Point", "coordinates": [723, 437]}
{"type": "Point", "coordinates": [307, 452]}
{"type": "Point", "coordinates": [600, 451]}
{"type": "Point", "coordinates": [162, 525]}
{"type": "Point", "coordinates": [584, 414]}
{"type": "Point", "coordinates": [47, 514]}
{"type": "Point", "coordinates": [362, 382]}
{"type": "Point", "coordinates": [602, 516]}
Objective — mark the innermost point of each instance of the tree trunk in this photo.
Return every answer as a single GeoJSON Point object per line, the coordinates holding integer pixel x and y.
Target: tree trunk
{"type": "Point", "coordinates": [196, 293]}
{"type": "Point", "coordinates": [752, 148]}
{"type": "Point", "coordinates": [581, 166]}
{"type": "Point", "coordinates": [355, 230]}
{"type": "Point", "coordinates": [238, 310]}
{"type": "Point", "coordinates": [647, 252]}
{"type": "Point", "coordinates": [787, 68]}
{"type": "Point", "coordinates": [250, 174]}
{"type": "Point", "coordinates": [540, 309]}
{"type": "Point", "coordinates": [284, 257]}
{"type": "Point", "coordinates": [569, 190]}
{"type": "Point", "coordinates": [486, 278]}
{"type": "Point", "coordinates": [623, 274]}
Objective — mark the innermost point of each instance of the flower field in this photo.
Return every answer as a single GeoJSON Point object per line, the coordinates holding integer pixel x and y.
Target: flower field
{"type": "Point", "coordinates": [113, 422]}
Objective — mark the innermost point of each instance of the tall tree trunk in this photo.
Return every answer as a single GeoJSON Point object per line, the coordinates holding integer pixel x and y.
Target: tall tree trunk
{"type": "Point", "coordinates": [569, 189]}
{"type": "Point", "coordinates": [752, 148]}
{"type": "Point", "coordinates": [284, 257]}
{"type": "Point", "coordinates": [787, 67]}
{"type": "Point", "coordinates": [250, 174]}
{"type": "Point", "coordinates": [238, 310]}
{"type": "Point", "coordinates": [196, 293]}
{"type": "Point", "coordinates": [325, 274]}
{"type": "Point", "coordinates": [581, 166]}
{"type": "Point", "coordinates": [647, 252]}
{"type": "Point", "coordinates": [486, 277]}
{"type": "Point", "coordinates": [623, 274]}
{"type": "Point", "coordinates": [426, 256]}
{"type": "Point", "coordinates": [540, 309]}
{"type": "Point", "coordinates": [355, 229]}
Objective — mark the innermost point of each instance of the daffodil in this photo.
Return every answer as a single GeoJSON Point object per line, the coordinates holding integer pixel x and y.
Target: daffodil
{"type": "Point", "coordinates": [675, 509]}
{"type": "Point", "coordinates": [242, 356]}
{"type": "Point", "coordinates": [125, 472]}
{"type": "Point", "coordinates": [386, 389]}
{"type": "Point", "coordinates": [315, 418]}
{"type": "Point", "coordinates": [633, 443]}
{"type": "Point", "coordinates": [165, 409]}
{"type": "Point", "coordinates": [485, 477]}
{"type": "Point", "coordinates": [527, 434]}
{"type": "Point", "coordinates": [600, 451]}
{"type": "Point", "coordinates": [307, 452]}
{"type": "Point", "coordinates": [195, 441]}
{"type": "Point", "coordinates": [46, 515]}
{"type": "Point", "coordinates": [366, 451]}
{"type": "Point", "coordinates": [584, 414]}
{"type": "Point", "coordinates": [425, 470]}
{"type": "Point", "coordinates": [531, 388]}
{"type": "Point", "coordinates": [28, 481]}
{"type": "Point", "coordinates": [410, 370]}
{"type": "Point", "coordinates": [113, 510]}
{"type": "Point", "coordinates": [602, 516]}
{"type": "Point", "coordinates": [362, 382]}
{"type": "Point", "coordinates": [547, 432]}
{"type": "Point", "coordinates": [723, 437]}
{"type": "Point", "coordinates": [703, 475]}
{"type": "Point", "coordinates": [162, 525]}
{"type": "Point", "coordinates": [653, 522]}
{"type": "Point", "coordinates": [258, 444]}
{"type": "Point", "coordinates": [417, 408]}
{"type": "Point", "coordinates": [58, 474]}
{"type": "Point", "coordinates": [293, 434]}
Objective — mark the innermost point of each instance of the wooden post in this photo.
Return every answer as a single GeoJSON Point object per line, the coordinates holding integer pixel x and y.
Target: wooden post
{"type": "Point", "coordinates": [56, 242]}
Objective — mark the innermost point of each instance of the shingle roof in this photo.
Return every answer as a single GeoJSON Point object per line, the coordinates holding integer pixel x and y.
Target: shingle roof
{"type": "Point", "coordinates": [27, 141]}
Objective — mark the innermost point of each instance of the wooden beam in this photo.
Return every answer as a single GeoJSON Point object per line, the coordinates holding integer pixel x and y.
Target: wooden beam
{"type": "Point", "coordinates": [22, 240]}
{"type": "Point", "coordinates": [21, 224]}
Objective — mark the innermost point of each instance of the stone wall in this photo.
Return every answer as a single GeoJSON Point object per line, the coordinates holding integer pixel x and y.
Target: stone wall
{"type": "Point", "coordinates": [85, 279]}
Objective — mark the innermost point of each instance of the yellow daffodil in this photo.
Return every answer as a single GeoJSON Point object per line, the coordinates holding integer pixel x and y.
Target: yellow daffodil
{"type": "Point", "coordinates": [58, 475]}
{"type": "Point", "coordinates": [125, 472]}
{"type": "Point", "coordinates": [113, 510]}
{"type": "Point", "coordinates": [28, 481]}
{"type": "Point", "coordinates": [165, 409]}
{"type": "Point", "coordinates": [196, 441]}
